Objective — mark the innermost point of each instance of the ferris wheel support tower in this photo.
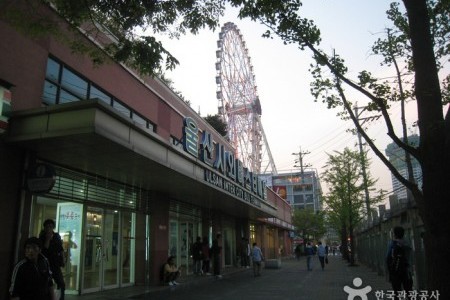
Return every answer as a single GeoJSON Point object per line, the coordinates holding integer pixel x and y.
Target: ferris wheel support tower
{"type": "Point", "coordinates": [239, 104]}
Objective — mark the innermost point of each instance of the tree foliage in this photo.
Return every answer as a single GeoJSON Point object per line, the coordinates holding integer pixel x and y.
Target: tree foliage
{"type": "Point", "coordinates": [309, 224]}
{"type": "Point", "coordinates": [130, 25]}
{"type": "Point", "coordinates": [346, 201]}
{"type": "Point", "coordinates": [218, 124]}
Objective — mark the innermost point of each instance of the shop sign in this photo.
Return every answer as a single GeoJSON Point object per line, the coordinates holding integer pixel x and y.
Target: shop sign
{"type": "Point", "coordinates": [231, 175]}
{"type": "Point", "coordinates": [41, 178]}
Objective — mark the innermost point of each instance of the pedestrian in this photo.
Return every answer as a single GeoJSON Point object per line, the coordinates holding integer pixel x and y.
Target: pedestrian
{"type": "Point", "coordinates": [52, 249]}
{"type": "Point", "coordinates": [298, 251]}
{"type": "Point", "coordinates": [31, 278]}
{"type": "Point", "coordinates": [257, 259]}
{"type": "Point", "coordinates": [245, 253]}
{"type": "Point", "coordinates": [216, 253]}
{"type": "Point", "coordinates": [197, 256]}
{"type": "Point", "coordinates": [321, 253]}
{"type": "Point", "coordinates": [171, 272]}
{"type": "Point", "coordinates": [397, 259]}
{"type": "Point", "coordinates": [309, 251]}
{"type": "Point", "coordinates": [206, 256]}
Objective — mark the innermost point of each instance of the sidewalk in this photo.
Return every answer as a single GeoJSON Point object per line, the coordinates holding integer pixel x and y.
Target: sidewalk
{"type": "Point", "coordinates": [291, 281]}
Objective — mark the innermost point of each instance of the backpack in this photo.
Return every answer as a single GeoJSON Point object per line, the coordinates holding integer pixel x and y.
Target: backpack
{"type": "Point", "coordinates": [397, 260]}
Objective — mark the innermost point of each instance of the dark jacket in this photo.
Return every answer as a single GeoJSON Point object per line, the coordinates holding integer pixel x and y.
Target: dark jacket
{"type": "Point", "coordinates": [197, 253]}
{"type": "Point", "coordinates": [398, 259]}
{"type": "Point", "coordinates": [309, 250]}
{"type": "Point", "coordinates": [55, 252]}
{"type": "Point", "coordinates": [215, 249]}
{"type": "Point", "coordinates": [30, 281]}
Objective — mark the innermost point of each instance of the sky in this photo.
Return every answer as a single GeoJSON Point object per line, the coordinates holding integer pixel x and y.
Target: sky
{"type": "Point", "coordinates": [292, 121]}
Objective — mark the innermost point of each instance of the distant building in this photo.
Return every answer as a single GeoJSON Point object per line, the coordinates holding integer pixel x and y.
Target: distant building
{"type": "Point", "coordinates": [301, 191]}
{"type": "Point", "coordinates": [397, 158]}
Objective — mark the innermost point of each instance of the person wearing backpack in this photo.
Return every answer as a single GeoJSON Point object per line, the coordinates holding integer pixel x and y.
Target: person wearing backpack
{"type": "Point", "coordinates": [397, 260]}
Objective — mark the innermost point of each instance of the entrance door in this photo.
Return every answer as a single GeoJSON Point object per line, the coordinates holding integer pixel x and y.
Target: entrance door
{"type": "Point", "coordinates": [101, 247]}
{"type": "Point", "coordinates": [186, 242]}
{"type": "Point", "coordinates": [182, 236]}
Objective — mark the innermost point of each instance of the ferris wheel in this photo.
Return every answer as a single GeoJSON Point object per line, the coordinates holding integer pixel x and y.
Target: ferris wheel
{"type": "Point", "coordinates": [239, 104]}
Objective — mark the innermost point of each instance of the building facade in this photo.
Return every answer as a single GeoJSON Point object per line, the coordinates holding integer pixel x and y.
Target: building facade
{"type": "Point", "coordinates": [396, 156]}
{"type": "Point", "coordinates": [129, 172]}
{"type": "Point", "coordinates": [300, 189]}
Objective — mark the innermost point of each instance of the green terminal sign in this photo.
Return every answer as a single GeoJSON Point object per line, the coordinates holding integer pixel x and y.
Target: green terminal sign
{"type": "Point", "coordinates": [229, 173]}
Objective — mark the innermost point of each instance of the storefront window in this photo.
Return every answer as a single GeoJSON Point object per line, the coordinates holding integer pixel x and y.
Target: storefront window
{"type": "Point", "coordinates": [68, 219]}
{"type": "Point", "coordinates": [69, 227]}
{"type": "Point", "coordinates": [99, 252]}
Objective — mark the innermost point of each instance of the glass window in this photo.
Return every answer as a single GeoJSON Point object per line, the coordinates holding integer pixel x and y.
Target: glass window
{"type": "Point", "coordinates": [68, 217]}
{"type": "Point", "coordinates": [52, 70]}
{"type": "Point", "coordinates": [298, 199]}
{"type": "Point", "coordinates": [309, 198]}
{"type": "Point", "coordinates": [121, 108]}
{"type": "Point", "coordinates": [49, 95]}
{"type": "Point", "coordinates": [65, 97]}
{"type": "Point", "coordinates": [139, 120]}
{"type": "Point", "coordinates": [74, 83]}
{"type": "Point", "coordinates": [97, 94]}
{"type": "Point", "coordinates": [151, 126]}
{"type": "Point", "coordinates": [298, 188]}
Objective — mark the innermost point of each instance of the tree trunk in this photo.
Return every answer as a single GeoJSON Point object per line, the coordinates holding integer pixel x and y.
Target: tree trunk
{"type": "Point", "coordinates": [434, 205]}
{"type": "Point", "coordinates": [352, 245]}
{"type": "Point", "coordinates": [344, 245]}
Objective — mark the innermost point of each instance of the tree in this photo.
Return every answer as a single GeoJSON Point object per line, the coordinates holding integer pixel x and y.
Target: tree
{"type": "Point", "coordinates": [309, 224]}
{"type": "Point", "coordinates": [336, 218]}
{"type": "Point", "coordinates": [395, 50]}
{"type": "Point", "coordinates": [433, 153]}
{"type": "Point", "coordinates": [130, 25]}
{"type": "Point", "coordinates": [218, 124]}
{"type": "Point", "coordinates": [346, 200]}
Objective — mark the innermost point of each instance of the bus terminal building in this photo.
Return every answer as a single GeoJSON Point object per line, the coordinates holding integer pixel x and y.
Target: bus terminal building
{"type": "Point", "coordinates": [128, 171]}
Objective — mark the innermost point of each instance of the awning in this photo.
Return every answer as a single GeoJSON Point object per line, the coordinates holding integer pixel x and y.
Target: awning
{"type": "Point", "coordinates": [92, 137]}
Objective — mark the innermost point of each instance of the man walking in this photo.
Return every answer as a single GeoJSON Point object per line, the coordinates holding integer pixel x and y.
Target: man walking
{"type": "Point", "coordinates": [216, 252]}
{"type": "Point", "coordinates": [257, 258]}
{"type": "Point", "coordinates": [309, 251]}
{"type": "Point", "coordinates": [397, 260]}
{"type": "Point", "coordinates": [52, 249]}
{"type": "Point", "coordinates": [321, 253]}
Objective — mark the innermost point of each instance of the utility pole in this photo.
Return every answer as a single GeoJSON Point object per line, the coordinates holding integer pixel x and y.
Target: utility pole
{"type": "Point", "coordinates": [300, 161]}
{"type": "Point", "coordinates": [363, 163]}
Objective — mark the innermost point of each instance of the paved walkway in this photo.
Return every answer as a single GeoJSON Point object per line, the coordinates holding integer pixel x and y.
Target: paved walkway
{"type": "Point", "coordinates": [291, 281]}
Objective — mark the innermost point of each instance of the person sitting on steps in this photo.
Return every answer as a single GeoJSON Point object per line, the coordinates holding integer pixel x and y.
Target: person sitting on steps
{"type": "Point", "coordinates": [171, 272]}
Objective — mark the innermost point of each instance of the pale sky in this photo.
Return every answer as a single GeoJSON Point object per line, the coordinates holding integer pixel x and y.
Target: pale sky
{"type": "Point", "coordinates": [290, 117]}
